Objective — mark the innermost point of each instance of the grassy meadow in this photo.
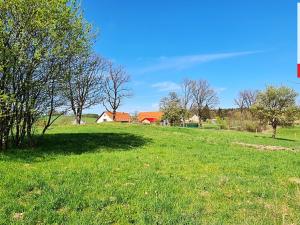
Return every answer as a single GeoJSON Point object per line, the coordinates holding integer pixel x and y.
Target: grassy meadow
{"type": "Point", "coordinates": [135, 174]}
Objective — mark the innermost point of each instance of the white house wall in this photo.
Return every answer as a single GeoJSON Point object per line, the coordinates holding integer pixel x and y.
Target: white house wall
{"type": "Point", "coordinates": [104, 118]}
{"type": "Point", "coordinates": [146, 121]}
{"type": "Point", "coordinates": [193, 119]}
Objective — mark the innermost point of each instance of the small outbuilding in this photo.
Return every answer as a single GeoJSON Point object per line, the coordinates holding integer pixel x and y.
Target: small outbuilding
{"type": "Point", "coordinates": [149, 120]}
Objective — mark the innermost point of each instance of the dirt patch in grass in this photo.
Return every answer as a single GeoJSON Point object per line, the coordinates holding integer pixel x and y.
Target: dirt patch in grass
{"type": "Point", "coordinates": [265, 147]}
{"type": "Point", "coordinates": [18, 216]}
{"type": "Point", "coordinates": [295, 180]}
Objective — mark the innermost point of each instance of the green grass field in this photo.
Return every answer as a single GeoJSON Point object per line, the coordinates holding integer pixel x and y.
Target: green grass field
{"type": "Point", "coordinates": [134, 174]}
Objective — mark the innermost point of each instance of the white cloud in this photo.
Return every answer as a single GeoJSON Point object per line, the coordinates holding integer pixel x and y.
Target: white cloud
{"type": "Point", "coordinates": [187, 61]}
{"type": "Point", "coordinates": [220, 89]}
{"type": "Point", "coordinates": [166, 86]}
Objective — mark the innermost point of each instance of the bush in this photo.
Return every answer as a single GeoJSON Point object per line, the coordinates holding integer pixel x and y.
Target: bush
{"type": "Point", "coordinates": [222, 123]}
{"type": "Point", "coordinates": [243, 122]}
{"type": "Point", "coordinates": [192, 125]}
{"type": "Point", "coordinates": [251, 126]}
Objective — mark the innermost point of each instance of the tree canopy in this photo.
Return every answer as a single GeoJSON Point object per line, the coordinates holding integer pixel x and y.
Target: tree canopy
{"type": "Point", "coordinates": [37, 39]}
{"type": "Point", "coordinates": [276, 106]}
{"type": "Point", "coordinates": [171, 107]}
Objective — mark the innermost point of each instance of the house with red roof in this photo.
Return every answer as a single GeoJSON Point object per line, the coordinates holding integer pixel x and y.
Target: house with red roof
{"type": "Point", "coordinates": [150, 117]}
{"type": "Point", "coordinates": [121, 117]}
{"type": "Point", "coordinates": [149, 120]}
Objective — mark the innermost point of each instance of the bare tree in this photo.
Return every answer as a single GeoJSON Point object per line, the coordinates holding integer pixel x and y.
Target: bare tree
{"type": "Point", "coordinates": [203, 96]}
{"type": "Point", "coordinates": [239, 102]}
{"type": "Point", "coordinates": [186, 101]}
{"type": "Point", "coordinates": [84, 83]}
{"type": "Point", "coordinates": [115, 88]}
{"type": "Point", "coordinates": [135, 117]}
{"type": "Point", "coordinates": [250, 97]}
{"type": "Point", "coordinates": [246, 99]}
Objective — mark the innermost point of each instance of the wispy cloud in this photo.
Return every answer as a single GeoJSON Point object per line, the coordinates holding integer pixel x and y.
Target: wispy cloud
{"type": "Point", "coordinates": [220, 89]}
{"type": "Point", "coordinates": [166, 86]}
{"type": "Point", "coordinates": [187, 61]}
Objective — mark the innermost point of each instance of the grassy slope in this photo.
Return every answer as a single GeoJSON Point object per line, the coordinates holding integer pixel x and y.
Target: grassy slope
{"type": "Point", "coordinates": [117, 173]}
{"type": "Point", "coordinates": [68, 120]}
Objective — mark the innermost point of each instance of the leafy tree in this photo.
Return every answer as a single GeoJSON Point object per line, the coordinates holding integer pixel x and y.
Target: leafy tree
{"type": "Point", "coordinates": [171, 107]}
{"type": "Point", "coordinates": [5, 104]}
{"type": "Point", "coordinates": [37, 38]}
{"type": "Point", "coordinates": [277, 106]}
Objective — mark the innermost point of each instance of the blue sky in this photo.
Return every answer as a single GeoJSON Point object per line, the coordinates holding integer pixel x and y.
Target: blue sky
{"type": "Point", "coordinates": [233, 44]}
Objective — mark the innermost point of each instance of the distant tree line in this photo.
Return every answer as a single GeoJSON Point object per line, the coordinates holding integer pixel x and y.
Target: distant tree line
{"type": "Point", "coordinates": [274, 106]}
{"type": "Point", "coordinates": [48, 67]}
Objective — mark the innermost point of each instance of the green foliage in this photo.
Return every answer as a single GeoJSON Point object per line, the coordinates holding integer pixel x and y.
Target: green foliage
{"type": "Point", "coordinates": [221, 123]}
{"type": "Point", "coordinates": [277, 106]}
{"type": "Point", "coordinates": [192, 125]}
{"type": "Point", "coordinates": [251, 126]}
{"type": "Point", "coordinates": [243, 121]}
{"type": "Point", "coordinates": [37, 38]}
{"type": "Point", "coordinates": [133, 174]}
{"type": "Point", "coordinates": [206, 113]}
{"type": "Point", "coordinates": [171, 107]}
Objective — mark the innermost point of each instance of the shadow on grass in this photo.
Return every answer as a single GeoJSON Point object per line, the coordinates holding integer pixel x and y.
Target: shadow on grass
{"type": "Point", "coordinates": [53, 145]}
{"type": "Point", "coordinates": [279, 139]}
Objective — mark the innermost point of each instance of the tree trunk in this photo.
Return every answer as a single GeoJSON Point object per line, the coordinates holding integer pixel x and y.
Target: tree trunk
{"type": "Point", "coordinates": [274, 126]}
{"type": "Point", "coordinates": [50, 122]}
{"type": "Point", "coordinates": [1, 143]}
{"type": "Point", "coordinates": [78, 116]}
{"type": "Point", "coordinates": [183, 121]}
{"type": "Point", "coordinates": [45, 129]}
{"type": "Point", "coordinates": [200, 123]}
{"type": "Point", "coordinates": [199, 119]}
{"type": "Point", "coordinates": [114, 115]}
{"type": "Point", "coordinates": [78, 119]}
{"type": "Point", "coordinates": [4, 143]}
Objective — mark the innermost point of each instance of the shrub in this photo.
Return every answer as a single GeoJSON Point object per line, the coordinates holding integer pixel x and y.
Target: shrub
{"type": "Point", "coordinates": [192, 125]}
{"type": "Point", "coordinates": [244, 122]}
{"type": "Point", "coordinates": [222, 123]}
{"type": "Point", "coordinates": [251, 126]}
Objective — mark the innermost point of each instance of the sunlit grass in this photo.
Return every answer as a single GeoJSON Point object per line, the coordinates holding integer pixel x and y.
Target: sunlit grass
{"type": "Point", "coordinates": [134, 174]}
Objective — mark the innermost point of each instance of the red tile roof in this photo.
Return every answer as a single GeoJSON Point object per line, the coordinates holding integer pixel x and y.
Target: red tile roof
{"type": "Point", "coordinates": [120, 116]}
{"type": "Point", "coordinates": [155, 115]}
{"type": "Point", "coordinates": [151, 120]}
